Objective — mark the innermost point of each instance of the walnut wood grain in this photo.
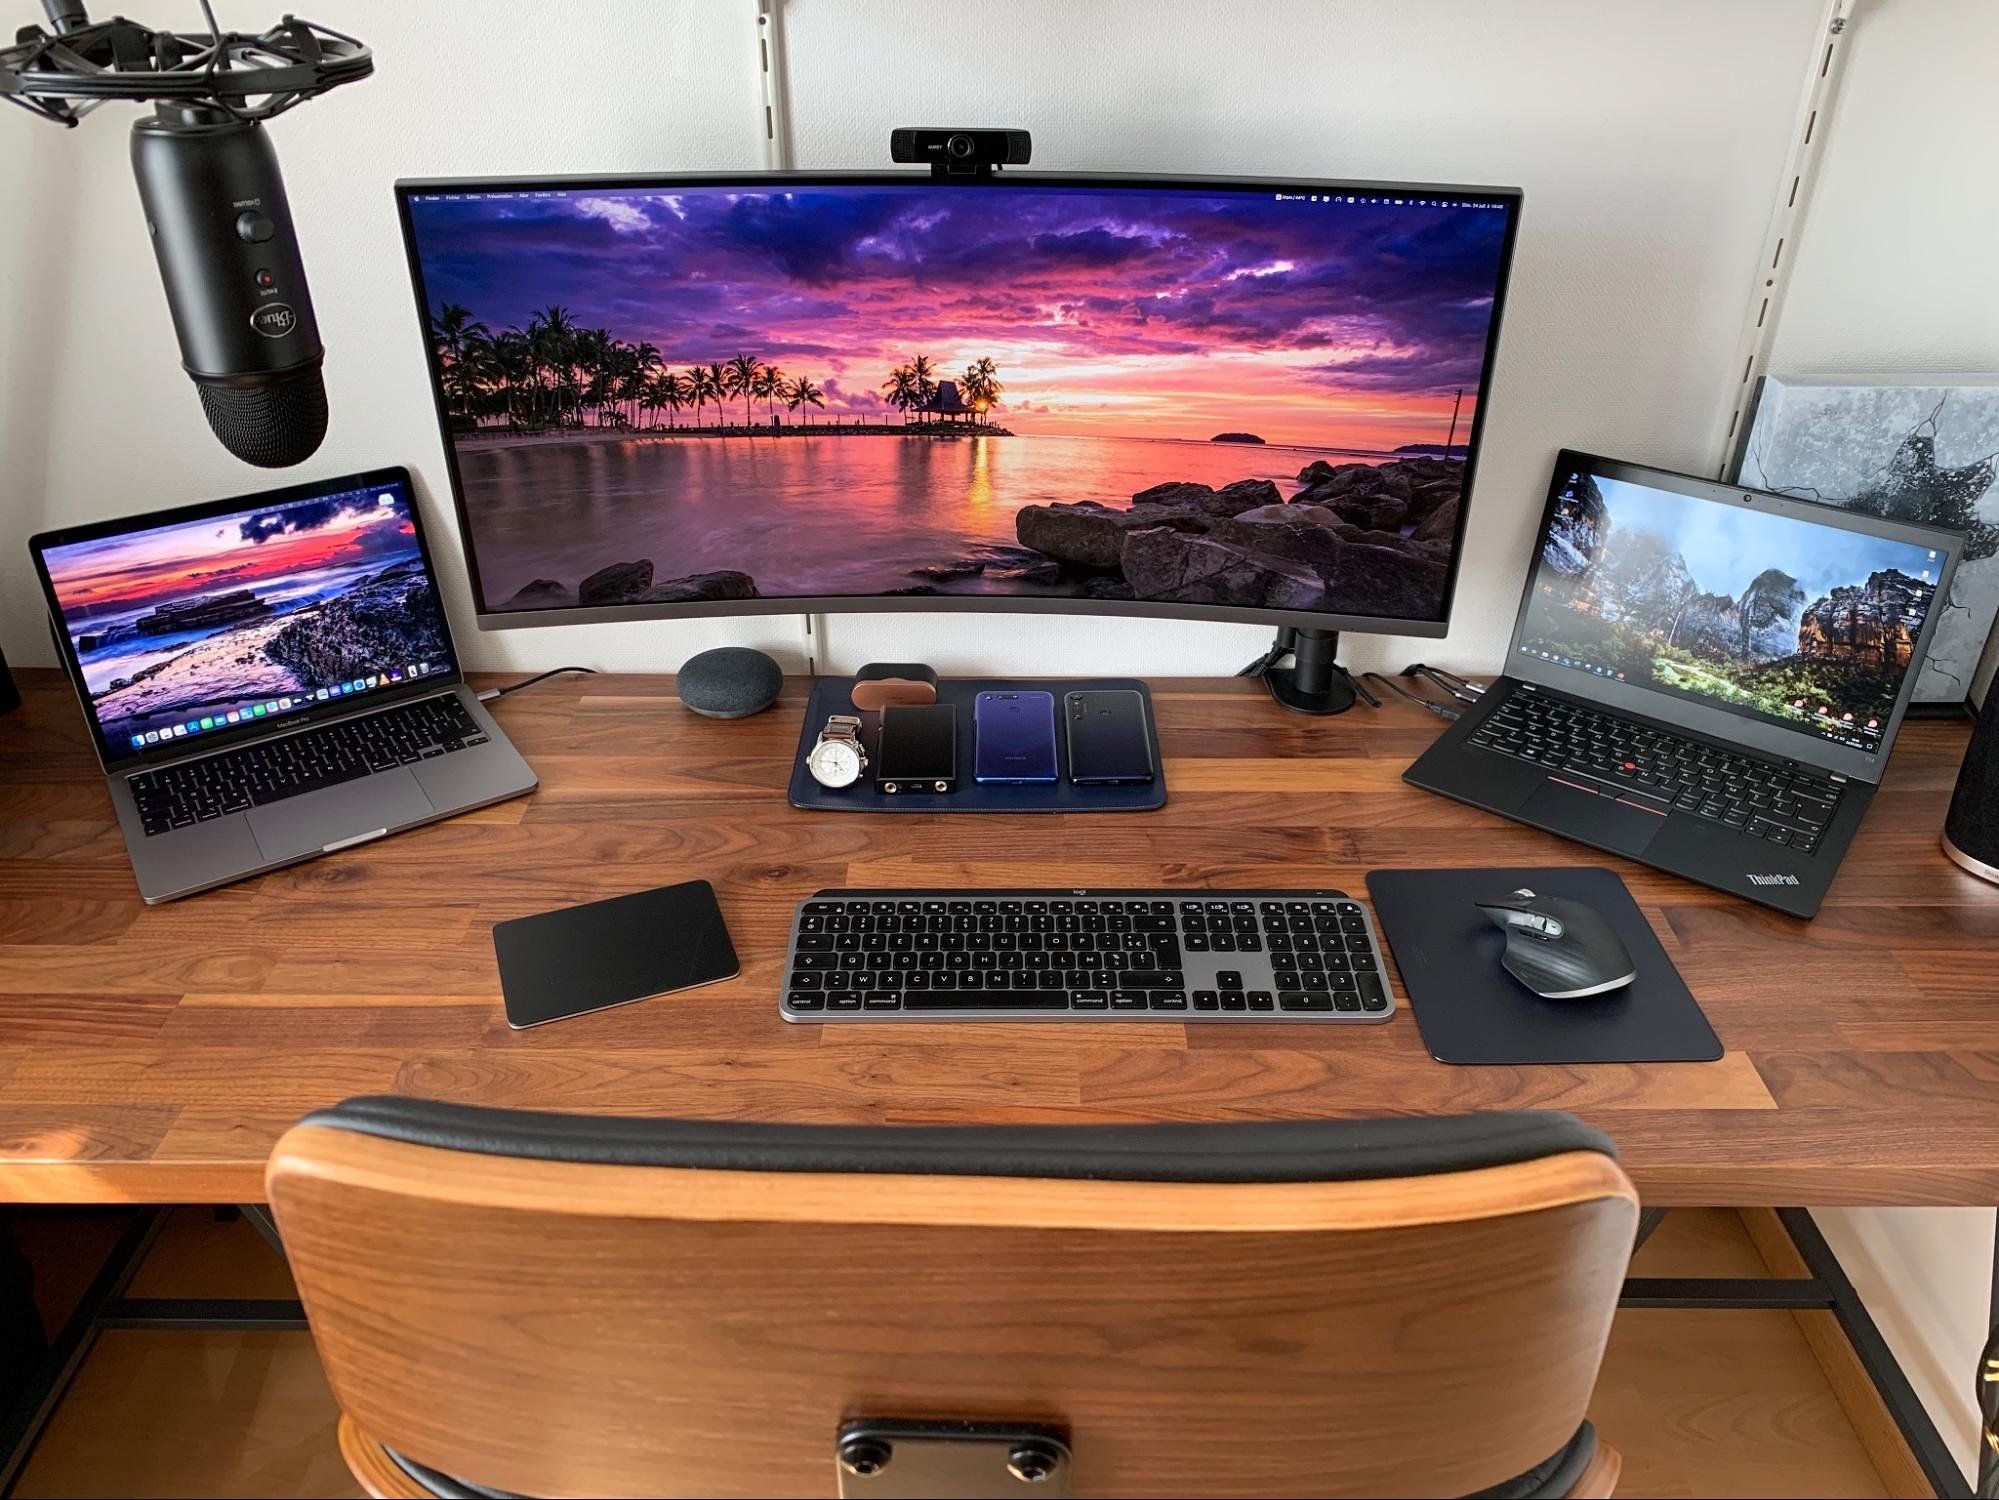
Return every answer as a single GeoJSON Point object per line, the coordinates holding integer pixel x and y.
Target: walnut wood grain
{"type": "Point", "coordinates": [556, 1329]}
{"type": "Point", "coordinates": [156, 1053]}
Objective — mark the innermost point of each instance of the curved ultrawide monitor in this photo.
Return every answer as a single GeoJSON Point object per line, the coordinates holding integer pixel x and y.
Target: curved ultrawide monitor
{"type": "Point", "coordinates": [1203, 399]}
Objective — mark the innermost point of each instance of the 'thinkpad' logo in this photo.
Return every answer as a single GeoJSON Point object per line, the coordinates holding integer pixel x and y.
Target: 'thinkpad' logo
{"type": "Point", "coordinates": [1773, 880]}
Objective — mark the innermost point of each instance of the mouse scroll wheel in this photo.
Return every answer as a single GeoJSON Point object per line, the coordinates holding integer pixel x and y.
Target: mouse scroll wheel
{"type": "Point", "coordinates": [1523, 891]}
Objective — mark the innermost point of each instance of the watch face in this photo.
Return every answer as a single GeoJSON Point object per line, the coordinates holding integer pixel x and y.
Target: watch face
{"type": "Point", "coordinates": [835, 763]}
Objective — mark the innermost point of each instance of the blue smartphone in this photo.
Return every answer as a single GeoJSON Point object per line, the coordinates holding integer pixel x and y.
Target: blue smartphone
{"type": "Point", "coordinates": [1014, 733]}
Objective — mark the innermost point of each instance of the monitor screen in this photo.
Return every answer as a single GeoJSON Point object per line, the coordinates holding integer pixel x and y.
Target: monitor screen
{"type": "Point", "coordinates": [1215, 399]}
{"type": "Point", "coordinates": [193, 624]}
{"type": "Point", "coordinates": [1766, 614]}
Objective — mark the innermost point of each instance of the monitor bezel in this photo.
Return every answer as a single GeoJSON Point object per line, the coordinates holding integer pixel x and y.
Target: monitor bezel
{"type": "Point", "coordinates": [122, 758]}
{"type": "Point", "coordinates": [488, 618]}
{"type": "Point", "coordinates": [1688, 713]}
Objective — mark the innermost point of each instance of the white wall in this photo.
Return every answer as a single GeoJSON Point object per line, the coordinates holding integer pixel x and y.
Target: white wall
{"type": "Point", "coordinates": [1648, 139]}
{"type": "Point", "coordinates": [1895, 273]}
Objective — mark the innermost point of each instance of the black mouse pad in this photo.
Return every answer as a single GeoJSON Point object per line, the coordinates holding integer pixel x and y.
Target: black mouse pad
{"type": "Point", "coordinates": [1470, 1010]}
{"type": "Point", "coordinates": [564, 963]}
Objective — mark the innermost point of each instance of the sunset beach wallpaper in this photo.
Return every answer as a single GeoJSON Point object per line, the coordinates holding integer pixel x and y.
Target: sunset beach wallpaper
{"type": "Point", "coordinates": [202, 625]}
{"type": "Point", "coordinates": [674, 394]}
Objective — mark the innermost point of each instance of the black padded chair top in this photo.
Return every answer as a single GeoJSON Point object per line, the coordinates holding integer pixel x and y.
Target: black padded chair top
{"type": "Point", "coordinates": [1250, 1151]}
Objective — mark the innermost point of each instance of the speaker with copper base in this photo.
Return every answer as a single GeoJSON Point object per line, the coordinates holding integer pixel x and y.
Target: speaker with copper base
{"type": "Point", "coordinates": [1971, 828]}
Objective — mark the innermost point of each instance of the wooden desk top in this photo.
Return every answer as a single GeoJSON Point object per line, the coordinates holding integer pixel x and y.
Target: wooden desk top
{"type": "Point", "coordinates": [155, 1053]}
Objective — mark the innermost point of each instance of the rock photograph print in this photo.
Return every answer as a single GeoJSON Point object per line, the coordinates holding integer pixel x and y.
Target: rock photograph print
{"type": "Point", "coordinates": [1218, 397]}
{"type": "Point", "coordinates": [1751, 611]}
{"type": "Point", "coordinates": [200, 625]}
{"type": "Point", "coordinates": [1912, 451]}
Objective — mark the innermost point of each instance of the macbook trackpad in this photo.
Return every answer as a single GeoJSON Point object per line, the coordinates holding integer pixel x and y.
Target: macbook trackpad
{"type": "Point", "coordinates": [307, 824]}
{"type": "Point", "coordinates": [1603, 821]}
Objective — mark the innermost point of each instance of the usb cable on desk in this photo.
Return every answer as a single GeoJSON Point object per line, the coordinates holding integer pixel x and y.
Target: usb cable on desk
{"type": "Point", "coordinates": [1428, 705]}
{"type": "Point", "coordinates": [487, 695]}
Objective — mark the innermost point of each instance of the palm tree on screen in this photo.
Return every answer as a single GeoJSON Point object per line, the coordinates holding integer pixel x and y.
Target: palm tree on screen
{"type": "Point", "coordinates": [718, 390]}
{"type": "Point", "coordinates": [514, 368]}
{"type": "Point", "coordinates": [900, 389]}
{"type": "Point", "coordinates": [644, 364]}
{"type": "Point", "coordinates": [802, 392]}
{"type": "Point", "coordinates": [982, 385]}
{"type": "Point", "coordinates": [769, 385]}
{"type": "Point", "coordinates": [742, 372]}
{"type": "Point", "coordinates": [456, 335]}
{"type": "Point", "coordinates": [921, 370]}
{"type": "Point", "coordinates": [552, 333]}
{"type": "Point", "coordinates": [694, 390]}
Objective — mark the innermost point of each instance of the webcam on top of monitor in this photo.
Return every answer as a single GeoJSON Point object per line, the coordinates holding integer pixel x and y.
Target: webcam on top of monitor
{"type": "Point", "coordinates": [953, 151]}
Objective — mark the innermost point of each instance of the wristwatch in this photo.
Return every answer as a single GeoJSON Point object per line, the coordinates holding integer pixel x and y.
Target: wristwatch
{"type": "Point", "coordinates": [837, 759]}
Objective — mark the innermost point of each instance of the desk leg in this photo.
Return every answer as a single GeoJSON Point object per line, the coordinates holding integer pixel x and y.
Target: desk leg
{"type": "Point", "coordinates": [1938, 1464]}
{"type": "Point", "coordinates": [104, 1305]}
{"type": "Point", "coordinates": [23, 1424]}
{"type": "Point", "coordinates": [1826, 1288]}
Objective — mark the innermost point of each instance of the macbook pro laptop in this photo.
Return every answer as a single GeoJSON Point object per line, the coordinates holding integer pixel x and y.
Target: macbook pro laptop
{"type": "Point", "coordinates": [1704, 678]}
{"type": "Point", "coordinates": [269, 678]}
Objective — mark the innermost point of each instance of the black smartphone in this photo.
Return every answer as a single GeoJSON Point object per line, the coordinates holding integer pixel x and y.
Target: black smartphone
{"type": "Point", "coordinates": [1013, 735]}
{"type": "Point", "coordinates": [1109, 741]}
{"type": "Point", "coordinates": [919, 748]}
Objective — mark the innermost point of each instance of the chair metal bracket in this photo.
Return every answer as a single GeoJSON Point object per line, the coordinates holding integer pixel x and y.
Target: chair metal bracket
{"type": "Point", "coordinates": [892, 1460]}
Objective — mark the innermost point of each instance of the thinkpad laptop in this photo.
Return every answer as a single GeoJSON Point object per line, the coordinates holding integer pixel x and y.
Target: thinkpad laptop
{"type": "Point", "coordinates": [269, 678]}
{"type": "Point", "coordinates": [1704, 678]}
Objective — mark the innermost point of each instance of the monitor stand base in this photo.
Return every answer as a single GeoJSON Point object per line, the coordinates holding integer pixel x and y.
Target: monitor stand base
{"type": "Point", "coordinates": [1315, 683]}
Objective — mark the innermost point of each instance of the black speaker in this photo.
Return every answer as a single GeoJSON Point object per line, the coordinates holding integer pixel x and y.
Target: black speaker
{"type": "Point", "coordinates": [1971, 828]}
{"type": "Point", "coordinates": [10, 696]}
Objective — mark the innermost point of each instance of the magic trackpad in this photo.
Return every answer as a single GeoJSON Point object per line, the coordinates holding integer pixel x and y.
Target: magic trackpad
{"type": "Point", "coordinates": [1603, 821]}
{"type": "Point", "coordinates": [306, 824]}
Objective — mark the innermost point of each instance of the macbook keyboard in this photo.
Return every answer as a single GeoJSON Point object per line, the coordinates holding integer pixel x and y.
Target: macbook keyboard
{"type": "Point", "coordinates": [271, 770]}
{"type": "Point", "coordinates": [1654, 768]}
{"type": "Point", "coordinates": [1007, 955]}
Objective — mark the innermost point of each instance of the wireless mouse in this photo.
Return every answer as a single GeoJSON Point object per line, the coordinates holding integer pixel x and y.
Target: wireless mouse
{"type": "Point", "coordinates": [1559, 949]}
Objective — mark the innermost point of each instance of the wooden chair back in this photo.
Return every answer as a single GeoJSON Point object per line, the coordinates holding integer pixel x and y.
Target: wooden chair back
{"type": "Point", "coordinates": [551, 1305]}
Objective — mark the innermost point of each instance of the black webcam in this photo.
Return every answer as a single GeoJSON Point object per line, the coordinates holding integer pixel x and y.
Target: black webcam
{"type": "Point", "coordinates": [960, 153]}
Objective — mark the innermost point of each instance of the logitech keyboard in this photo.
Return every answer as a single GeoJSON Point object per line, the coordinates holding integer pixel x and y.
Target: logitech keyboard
{"type": "Point", "coordinates": [1084, 955]}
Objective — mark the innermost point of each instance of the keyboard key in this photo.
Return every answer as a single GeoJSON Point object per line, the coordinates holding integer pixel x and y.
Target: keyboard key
{"type": "Point", "coordinates": [1167, 1000]}
{"type": "Point", "coordinates": [1007, 1000]}
{"type": "Point", "coordinates": [800, 1000]}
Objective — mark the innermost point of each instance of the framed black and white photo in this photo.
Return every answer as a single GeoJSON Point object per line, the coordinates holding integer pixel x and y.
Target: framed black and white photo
{"type": "Point", "coordinates": [1909, 448]}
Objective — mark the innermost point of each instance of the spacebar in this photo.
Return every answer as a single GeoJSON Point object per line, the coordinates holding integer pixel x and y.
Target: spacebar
{"type": "Point", "coordinates": [352, 772]}
{"type": "Point", "coordinates": [985, 1000]}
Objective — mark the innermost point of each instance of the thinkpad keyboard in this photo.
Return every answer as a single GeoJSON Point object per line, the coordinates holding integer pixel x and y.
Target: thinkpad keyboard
{"type": "Point", "coordinates": [272, 770]}
{"type": "Point", "coordinates": [1664, 772]}
{"type": "Point", "coordinates": [1070, 955]}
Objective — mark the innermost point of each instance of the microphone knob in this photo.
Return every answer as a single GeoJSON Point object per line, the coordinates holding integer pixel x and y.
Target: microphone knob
{"type": "Point", "coordinates": [254, 229]}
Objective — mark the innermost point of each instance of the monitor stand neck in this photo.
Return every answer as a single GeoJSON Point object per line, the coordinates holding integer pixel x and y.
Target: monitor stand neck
{"type": "Point", "coordinates": [1315, 683]}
